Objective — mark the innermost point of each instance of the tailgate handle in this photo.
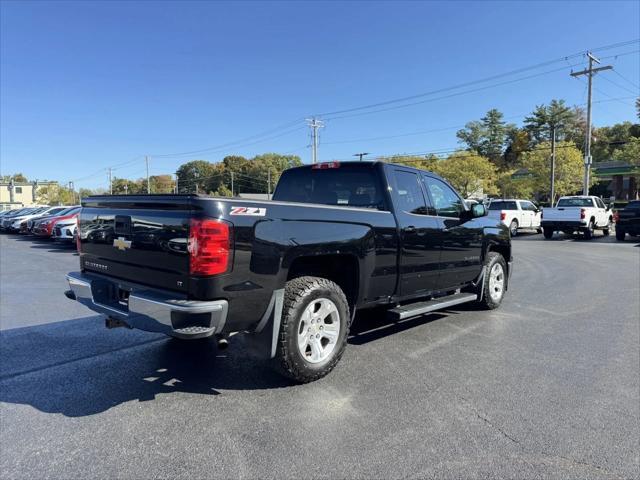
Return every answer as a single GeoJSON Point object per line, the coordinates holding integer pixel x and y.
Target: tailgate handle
{"type": "Point", "coordinates": [122, 225]}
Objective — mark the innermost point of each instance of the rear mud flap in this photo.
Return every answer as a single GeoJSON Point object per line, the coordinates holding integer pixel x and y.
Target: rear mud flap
{"type": "Point", "coordinates": [263, 341]}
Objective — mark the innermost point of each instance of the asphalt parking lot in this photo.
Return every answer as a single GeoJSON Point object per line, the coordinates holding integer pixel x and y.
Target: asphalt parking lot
{"type": "Point", "coordinates": [546, 386]}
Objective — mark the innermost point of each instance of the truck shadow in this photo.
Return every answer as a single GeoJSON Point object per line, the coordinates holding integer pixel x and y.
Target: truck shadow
{"type": "Point", "coordinates": [373, 324]}
{"type": "Point", "coordinates": [78, 368]}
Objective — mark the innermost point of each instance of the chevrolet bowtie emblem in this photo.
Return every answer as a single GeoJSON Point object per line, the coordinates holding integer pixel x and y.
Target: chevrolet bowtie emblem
{"type": "Point", "coordinates": [121, 244]}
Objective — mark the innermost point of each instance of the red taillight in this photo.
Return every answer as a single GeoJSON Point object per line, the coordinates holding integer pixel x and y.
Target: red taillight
{"type": "Point", "coordinates": [323, 166]}
{"type": "Point", "coordinates": [209, 246]}
{"type": "Point", "coordinates": [616, 217]}
{"type": "Point", "coordinates": [582, 214]}
{"type": "Point", "coordinates": [503, 215]}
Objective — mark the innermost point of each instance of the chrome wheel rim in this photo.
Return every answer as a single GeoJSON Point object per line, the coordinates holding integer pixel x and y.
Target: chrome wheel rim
{"type": "Point", "coordinates": [496, 282]}
{"type": "Point", "coordinates": [319, 330]}
{"type": "Point", "coordinates": [514, 229]}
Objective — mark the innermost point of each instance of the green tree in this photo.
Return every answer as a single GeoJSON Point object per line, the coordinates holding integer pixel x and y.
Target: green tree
{"type": "Point", "coordinates": [468, 173]}
{"type": "Point", "coordinates": [517, 143]}
{"type": "Point", "coordinates": [606, 140]}
{"type": "Point", "coordinates": [487, 137]}
{"type": "Point", "coordinates": [629, 153]}
{"type": "Point", "coordinates": [515, 184]}
{"type": "Point", "coordinates": [56, 195]}
{"type": "Point", "coordinates": [197, 175]}
{"type": "Point", "coordinates": [569, 168]}
{"type": "Point", "coordinates": [569, 122]}
{"type": "Point", "coordinates": [160, 184]}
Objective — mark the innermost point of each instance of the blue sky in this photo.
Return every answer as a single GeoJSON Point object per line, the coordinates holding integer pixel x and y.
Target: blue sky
{"type": "Point", "coordinates": [87, 85]}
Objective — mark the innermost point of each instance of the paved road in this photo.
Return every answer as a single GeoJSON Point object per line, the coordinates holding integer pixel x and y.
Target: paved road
{"type": "Point", "coordinates": [546, 386]}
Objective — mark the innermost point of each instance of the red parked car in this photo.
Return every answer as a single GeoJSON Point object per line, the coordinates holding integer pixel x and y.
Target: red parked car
{"type": "Point", "coordinates": [44, 227]}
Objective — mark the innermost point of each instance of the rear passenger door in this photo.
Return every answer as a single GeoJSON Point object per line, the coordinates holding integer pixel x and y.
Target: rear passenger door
{"type": "Point", "coordinates": [419, 235]}
{"type": "Point", "coordinates": [460, 259]}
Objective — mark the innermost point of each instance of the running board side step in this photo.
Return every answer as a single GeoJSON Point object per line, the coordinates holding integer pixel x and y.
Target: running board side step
{"type": "Point", "coordinates": [440, 303]}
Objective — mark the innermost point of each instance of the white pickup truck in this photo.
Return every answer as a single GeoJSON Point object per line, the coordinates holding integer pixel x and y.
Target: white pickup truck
{"type": "Point", "coordinates": [580, 213]}
{"type": "Point", "coordinates": [515, 214]}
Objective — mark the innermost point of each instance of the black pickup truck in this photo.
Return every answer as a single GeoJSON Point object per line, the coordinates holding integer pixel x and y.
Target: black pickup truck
{"type": "Point", "coordinates": [337, 237]}
{"type": "Point", "coordinates": [628, 220]}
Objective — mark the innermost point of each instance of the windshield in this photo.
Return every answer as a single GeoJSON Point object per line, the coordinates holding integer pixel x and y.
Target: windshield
{"type": "Point", "coordinates": [575, 202]}
{"type": "Point", "coordinates": [57, 210]}
{"type": "Point", "coordinates": [346, 185]}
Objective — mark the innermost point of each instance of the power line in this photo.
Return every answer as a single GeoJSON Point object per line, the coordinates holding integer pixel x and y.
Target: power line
{"type": "Point", "coordinates": [635, 85]}
{"type": "Point", "coordinates": [486, 87]}
{"type": "Point", "coordinates": [236, 143]}
{"type": "Point", "coordinates": [474, 82]}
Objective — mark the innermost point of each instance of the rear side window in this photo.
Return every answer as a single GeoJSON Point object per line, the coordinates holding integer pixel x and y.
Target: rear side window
{"type": "Point", "coordinates": [345, 186]}
{"type": "Point", "coordinates": [525, 205]}
{"type": "Point", "coordinates": [575, 202]}
{"type": "Point", "coordinates": [409, 193]}
{"type": "Point", "coordinates": [503, 205]}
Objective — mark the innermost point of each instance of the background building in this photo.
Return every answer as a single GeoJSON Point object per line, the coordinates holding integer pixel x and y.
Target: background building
{"type": "Point", "coordinates": [21, 194]}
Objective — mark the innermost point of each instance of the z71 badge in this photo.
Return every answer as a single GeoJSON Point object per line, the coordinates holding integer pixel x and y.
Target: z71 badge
{"type": "Point", "coordinates": [250, 211]}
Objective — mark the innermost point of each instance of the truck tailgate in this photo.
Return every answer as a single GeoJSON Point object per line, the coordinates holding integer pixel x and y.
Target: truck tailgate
{"type": "Point", "coordinates": [139, 239]}
{"type": "Point", "coordinates": [569, 214]}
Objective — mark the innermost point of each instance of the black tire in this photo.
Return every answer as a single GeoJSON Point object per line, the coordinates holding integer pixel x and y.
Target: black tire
{"type": "Point", "coordinates": [299, 294]}
{"type": "Point", "coordinates": [620, 234]}
{"type": "Point", "coordinates": [513, 227]}
{"type": "Point", "coordinates": [489, 302]}
{"type": "Point", "coordinates": [539, 230]}
{"type": "Point", "coordinates": [547, 232]}
{"type": "Point", "coordinates": [607, 230]}
{"type": "Point", "coordinates": [588, 233]}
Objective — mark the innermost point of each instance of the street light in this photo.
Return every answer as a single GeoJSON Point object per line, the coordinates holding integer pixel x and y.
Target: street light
{"type": "Point", "coordinates": [360, 155]}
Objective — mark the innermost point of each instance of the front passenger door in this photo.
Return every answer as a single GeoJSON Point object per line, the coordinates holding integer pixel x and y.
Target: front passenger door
{"type": "Point", "coordinates": [460, 259]}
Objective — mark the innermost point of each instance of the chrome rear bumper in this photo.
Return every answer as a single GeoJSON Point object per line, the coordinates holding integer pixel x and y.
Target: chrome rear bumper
{"type": "Point", "coordinates": [148, 309]}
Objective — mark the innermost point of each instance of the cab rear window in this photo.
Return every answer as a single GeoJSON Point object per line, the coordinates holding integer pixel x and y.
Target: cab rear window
{"type": "Point", "coordinates": [343, 186]}
{"type": "Point", "coordinates": [503, 206]}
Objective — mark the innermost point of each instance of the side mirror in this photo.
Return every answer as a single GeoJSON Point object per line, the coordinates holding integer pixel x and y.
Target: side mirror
{"type": "Point", "coordinates": [478, 210]}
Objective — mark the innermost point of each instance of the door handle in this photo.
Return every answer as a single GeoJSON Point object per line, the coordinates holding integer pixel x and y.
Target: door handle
{"type": "Point", "coordinates": [410, 229]}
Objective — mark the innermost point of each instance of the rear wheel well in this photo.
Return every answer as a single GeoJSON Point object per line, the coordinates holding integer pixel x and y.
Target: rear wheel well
{"type": "Point", "coordinates": [340, 269]}
{"type": "Point", "coordinates": [504, 250]}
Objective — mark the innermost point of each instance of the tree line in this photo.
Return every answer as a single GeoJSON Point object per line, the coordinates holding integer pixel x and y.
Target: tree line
{"type": "Point", "coordinates": [495, 158]}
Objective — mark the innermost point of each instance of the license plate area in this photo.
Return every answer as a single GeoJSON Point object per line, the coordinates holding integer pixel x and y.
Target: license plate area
{"type": "Point", "coordinates": [111, 295]}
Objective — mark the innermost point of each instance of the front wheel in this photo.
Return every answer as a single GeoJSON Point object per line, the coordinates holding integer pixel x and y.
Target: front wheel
{"type": "Point", "coordinates": [513, 227]}
{"type": "Point", "coordinates": [314, 328]}
{"type": "Point", "coordinates": [607, 230]}
{"type": "Point", "coordinates": [494, 282]}
{"type": "Point", "coordinates": [548, 232]}
{"type": "Point", "coordinates": [619, 234]}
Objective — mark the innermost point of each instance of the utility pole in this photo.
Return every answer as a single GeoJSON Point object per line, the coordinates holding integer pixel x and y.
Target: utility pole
{"type": "Point", "coordinates": [553, 165]}
{"type": "Point", "coordinates": [146, 161]}
{"type": "Point", "coordinates": [587, 153]}
{"type": "Point", "coordinates": [177, 191]}
{"type": "Point", "coordinates": [232, 184]}
{"type": "Point", "coordinates": [360, 155]}
{"type": "Point", "coordinates": [269, 184]}
{"type": "Point", "coordinates": [110, 181]}
{"type": "Point", "coordinates": [126, 187]}
{"type": "Point", "coordinates": [315, 124]}
{"type": "Point", "coordinates": [73, 193]}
